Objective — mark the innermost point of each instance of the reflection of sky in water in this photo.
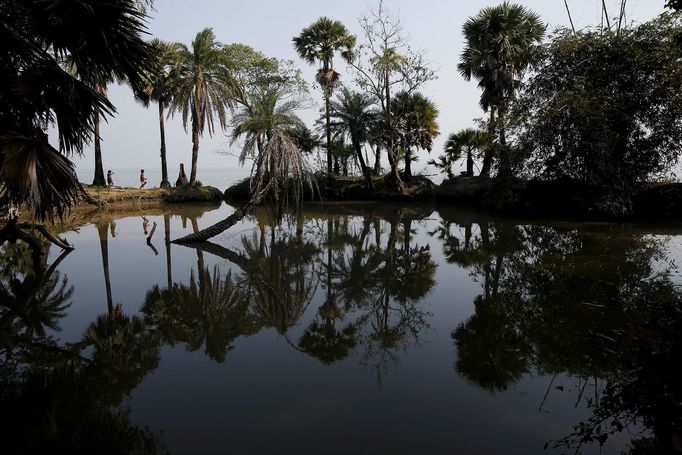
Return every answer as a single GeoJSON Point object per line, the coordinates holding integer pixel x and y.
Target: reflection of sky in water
{"type": "Point", "coordinates": [268, 394]}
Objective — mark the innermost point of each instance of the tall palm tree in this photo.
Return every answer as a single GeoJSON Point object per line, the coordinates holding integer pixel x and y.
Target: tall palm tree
{"type": "Point", "coordinates": [319, 42]}
{"type": "Point", "coordinates": [352, 117]}
{"type": "Point", "coordinates": [203, 89]}
{"type": "Point", "coordinates": [159, 89]}
{"type": "Point", "coordinates": [500, 46]}
{"type": "Point", "coordinates": [415, 122]}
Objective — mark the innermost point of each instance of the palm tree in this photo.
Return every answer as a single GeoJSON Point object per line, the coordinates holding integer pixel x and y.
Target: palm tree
{"type": "Point", "coordinates": [318, 43]}
{"type": "Point", "coordinates": [102, 39]}
{"type": "Point", "coordinates": [468, 141]}
{"type": "Point", "coordinates": [500, 46]}
{"type": "Point", "coordinates": [263, 114]}
{"type": "Point", "coordinates": [159, 89]}
{"type": "Point", "coordinates": [415, 122]}
{"type": "Point", "coordinates": [203, 89]}
{"type": "Point", "coordinates": [281, 172]}
{"type": "Point", "coordinates": [351, 117]}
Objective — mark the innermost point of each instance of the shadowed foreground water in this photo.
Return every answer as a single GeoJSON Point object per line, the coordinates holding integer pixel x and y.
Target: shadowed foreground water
{"type": "Point", "coordinates": [350, 329]}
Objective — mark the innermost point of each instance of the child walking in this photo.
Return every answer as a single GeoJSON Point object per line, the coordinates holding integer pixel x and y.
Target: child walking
{"type": "Point", "coordinates": [143, 179]}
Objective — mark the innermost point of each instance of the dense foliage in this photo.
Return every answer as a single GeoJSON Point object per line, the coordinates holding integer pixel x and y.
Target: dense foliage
{"type": "Point", "coordinates": [604, 107]}
{"type": "Point", "coordinates": [101, 40]}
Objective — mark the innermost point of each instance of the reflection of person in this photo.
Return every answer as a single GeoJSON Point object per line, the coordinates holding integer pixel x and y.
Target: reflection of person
{"type": "Point", "coordinates": [112, 226]}
{"type": "Point", "coordinates": [110, 180]}
{"type": "Point", "coordinates": [145, 223]}
{"type": "Point", "coordinates": [143, 179]}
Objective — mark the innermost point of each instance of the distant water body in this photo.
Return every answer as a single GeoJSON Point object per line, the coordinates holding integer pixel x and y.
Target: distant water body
{"type": "Point", "coordinates": [220, 178]}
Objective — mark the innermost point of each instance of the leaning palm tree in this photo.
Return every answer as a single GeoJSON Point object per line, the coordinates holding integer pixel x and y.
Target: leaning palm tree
{"type": "Point", "coordinates": [278, 176]}
{"type": "Point", "coordinates": [318, 43]}
{"type": "Point", "coordinates": [159, 89]}
{"type": "Point", "coordinates": [352, 117]}
{"type": "Point", "coordinates": [500, 46]}
{"type": "Point", "coordinates": [203, 89]}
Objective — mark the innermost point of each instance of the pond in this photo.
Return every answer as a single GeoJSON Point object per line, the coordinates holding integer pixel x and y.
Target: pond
{"type": "Point", "coordinates": [356, 328]}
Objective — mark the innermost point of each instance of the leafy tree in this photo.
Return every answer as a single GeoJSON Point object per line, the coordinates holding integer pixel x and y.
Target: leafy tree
{"type": "Point", "coordinates": [674, 4]}
{"type": "Point", "coordinates": [351, 114]}
{"type": "Point", "coordinates": [203, 89]}
{"type": "Point", "coordinates": [500, 46]}
{"type": "Point", "coordinates": [604, 108]}
{"type": "Point", "coordinates": [386, 63]}
{"type": "Point", "coordinates": [415, 123]}
{"type": "Point", "coordinates": [318, 43]}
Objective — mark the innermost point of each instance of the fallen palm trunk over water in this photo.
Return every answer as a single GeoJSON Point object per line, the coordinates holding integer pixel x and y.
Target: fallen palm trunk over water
{"type": "Point", "coordinates": [280, 162]}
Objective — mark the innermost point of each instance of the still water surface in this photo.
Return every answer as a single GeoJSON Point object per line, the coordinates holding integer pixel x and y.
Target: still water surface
{"type": "Point", "coordinates": [360, 328]}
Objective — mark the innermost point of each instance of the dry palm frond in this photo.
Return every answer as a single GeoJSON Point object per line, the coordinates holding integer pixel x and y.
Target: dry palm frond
{"type": "Point", "coordinates": [281, 174]}
{"type": "Point", "coordinates": [328, 79]}
{"type": "Point", "coordinates": [34, 171]}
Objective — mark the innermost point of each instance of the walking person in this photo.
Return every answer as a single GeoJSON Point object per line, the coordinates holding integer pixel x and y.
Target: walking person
{"type": "Point", "coordinates": [143, 179]}
{"type": "Point", "coordinates": [110, 180]}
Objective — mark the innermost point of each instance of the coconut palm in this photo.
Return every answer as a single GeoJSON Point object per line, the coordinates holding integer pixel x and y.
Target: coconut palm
{"type": "Point", "coordinates": [500, 46]}
{"type": "Point", "coordinates": [265, 113]}
{"type": "Point", "coordinates": [415, 123]}
{"type": "Point", "coordinates": [102, 39]}
{"type": "Point", "coordinates": [203, 89]}
{"type": "Point", "coordinates": [318, 43]}
{"type": "Point", "coordinates": [351, 116]}
{"type": "Point", "coordinates": [159, 89]}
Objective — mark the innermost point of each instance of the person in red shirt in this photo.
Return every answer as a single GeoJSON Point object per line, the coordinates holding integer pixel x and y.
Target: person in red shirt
{"type": "Point", "coordinates": [143, 179]}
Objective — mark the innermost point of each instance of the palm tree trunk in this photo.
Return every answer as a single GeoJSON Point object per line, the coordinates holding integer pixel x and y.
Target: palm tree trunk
{"type": "Point", "coordinates": [365, 170]}
{"type": "Point", "coordinates": [169, 264]}
{"type": "Point", "coordinates": [327, 109]}
{"type": "Point", "coordinates": [165, 183]}
{"type": "Point", "coordinates": [470, 163]}
{"type": "Point", "coordinates": [220, 226]}
{"type": "Point", "coordinates": [99, 168]}
{"type": "Point", "coordinates": [408, 164]}
{"type": "Point", "coordinates": [195, 149]}
{"type": "Point", "coordinates": [489, 151]}
{"type": "Point", "coordinates": [377, 161]}
{"type": "Point", "coordinates": [505, 165]}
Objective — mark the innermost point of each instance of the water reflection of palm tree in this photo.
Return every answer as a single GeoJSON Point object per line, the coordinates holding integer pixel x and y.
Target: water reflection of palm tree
{"type": "Point", "coordinates": [167, 241]}
{"type": "Point", "coordinates": [103, 232]}
{"type": "Point", "coordinates": [34, 302]}
{"type": "Point", "coordinates": [211, 312]}
{"type": "Point", "coordinates": [393, 320]}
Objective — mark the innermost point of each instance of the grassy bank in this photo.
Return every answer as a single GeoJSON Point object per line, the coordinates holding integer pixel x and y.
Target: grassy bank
{"type": "Point", "coordinates": [116, 195]}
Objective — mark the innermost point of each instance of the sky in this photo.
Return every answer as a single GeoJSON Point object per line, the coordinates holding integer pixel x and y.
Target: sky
{"type": "Point", "coordinates": [131, 138]}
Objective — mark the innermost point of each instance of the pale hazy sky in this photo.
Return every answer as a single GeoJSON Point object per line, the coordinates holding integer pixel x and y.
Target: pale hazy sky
{"type": "Point", "coordinates": [131, 138]}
